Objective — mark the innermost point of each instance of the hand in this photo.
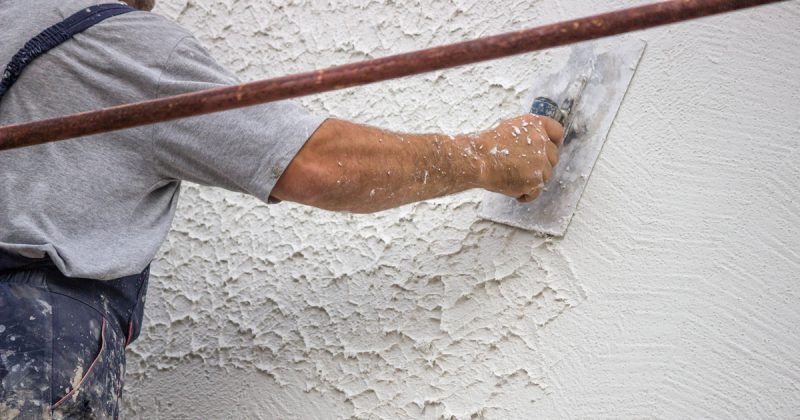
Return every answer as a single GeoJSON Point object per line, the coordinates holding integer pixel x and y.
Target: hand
{"type": "Point", "coordinates": [518, 156]}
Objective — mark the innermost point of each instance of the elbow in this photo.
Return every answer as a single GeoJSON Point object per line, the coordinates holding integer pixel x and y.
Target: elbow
{"type": "Point", "coordinates": [318, 183]}
{"type": "Point", "coordinates": [317, 177]}
{"type": "Point", "coordinates": [303, 182]}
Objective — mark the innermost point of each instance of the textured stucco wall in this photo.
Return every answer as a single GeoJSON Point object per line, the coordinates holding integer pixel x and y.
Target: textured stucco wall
{"type": "Point", "coordinates": [675, 293]}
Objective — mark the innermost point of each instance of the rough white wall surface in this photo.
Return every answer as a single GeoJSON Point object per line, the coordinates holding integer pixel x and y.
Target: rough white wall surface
{"type": "Point", "coordinates": [675, 293]}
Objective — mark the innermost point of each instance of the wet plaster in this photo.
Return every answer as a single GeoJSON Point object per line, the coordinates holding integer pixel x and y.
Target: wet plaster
{"type": "Point", "coordinates": [674, 293]}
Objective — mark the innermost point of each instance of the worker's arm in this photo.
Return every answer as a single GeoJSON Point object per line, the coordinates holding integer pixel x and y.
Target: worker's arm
{"type": "Point", "coordinates": [357, 168]}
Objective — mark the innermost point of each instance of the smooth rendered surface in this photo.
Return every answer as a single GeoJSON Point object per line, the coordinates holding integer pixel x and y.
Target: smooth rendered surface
{"type": "Point", "coordinates": [675, 293]}
{"type": "Point", "coordinates": [593, 76]}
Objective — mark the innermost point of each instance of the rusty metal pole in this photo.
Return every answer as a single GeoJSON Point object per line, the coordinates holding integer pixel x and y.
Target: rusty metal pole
{"type": "Point", "coordinates": [361, 73]}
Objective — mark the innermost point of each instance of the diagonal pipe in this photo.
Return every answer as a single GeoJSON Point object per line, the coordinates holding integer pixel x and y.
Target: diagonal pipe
{"type": "Point", "coordinates": [364, 72]}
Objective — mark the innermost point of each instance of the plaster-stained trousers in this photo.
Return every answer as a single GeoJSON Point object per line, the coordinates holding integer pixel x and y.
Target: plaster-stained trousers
{"type": "Point", "coordinates": [62, 340]}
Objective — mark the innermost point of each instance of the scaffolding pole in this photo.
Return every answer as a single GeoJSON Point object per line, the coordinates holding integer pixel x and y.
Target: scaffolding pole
{"type": "Point", "coordinates": [365, 72]}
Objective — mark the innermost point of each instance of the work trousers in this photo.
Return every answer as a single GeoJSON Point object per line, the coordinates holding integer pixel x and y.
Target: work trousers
{"type": "Point", "coordinates": [62, 340]}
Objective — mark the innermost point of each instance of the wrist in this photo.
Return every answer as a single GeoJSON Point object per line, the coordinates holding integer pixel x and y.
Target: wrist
{"type": "Point", "coordinates": [470, 152]}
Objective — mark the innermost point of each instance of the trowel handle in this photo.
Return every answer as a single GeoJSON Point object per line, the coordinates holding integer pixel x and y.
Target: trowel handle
{"type": "Point", "coordinates": [546, 107]}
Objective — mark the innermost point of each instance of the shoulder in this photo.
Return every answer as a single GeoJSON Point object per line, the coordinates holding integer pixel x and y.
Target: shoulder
{"type": "Point", "coordinates": [146, 41]}
{"type": "Point", "coordinates": [177, 49]}
{"type": "Point", "coordinates": [142, 33]}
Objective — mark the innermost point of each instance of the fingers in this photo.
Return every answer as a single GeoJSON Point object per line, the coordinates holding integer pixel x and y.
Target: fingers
{"type": "Point", "coordinates": [545, 175]}
{"type": "Point", "coordinates": [555, 133]}
{"type": "Point", "coordinates": [527, 198]}
{"type": "Point", "coordinates": [544, 126]}
{"type": "Point", "coordinates": [552, 152]}
{"type": "Point", "coordinates": [554, 130]}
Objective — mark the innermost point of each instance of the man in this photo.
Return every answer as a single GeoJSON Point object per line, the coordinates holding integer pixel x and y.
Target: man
{"type": "Point", "coordinates": [81, 220]}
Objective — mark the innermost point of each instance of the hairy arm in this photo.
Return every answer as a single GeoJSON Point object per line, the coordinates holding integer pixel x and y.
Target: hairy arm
{"type": "Point", "coordinates": [351, 167]}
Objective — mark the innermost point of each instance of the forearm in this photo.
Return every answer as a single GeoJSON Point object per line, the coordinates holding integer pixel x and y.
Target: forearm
{"type": "Point", "coordinates": [351, 167]}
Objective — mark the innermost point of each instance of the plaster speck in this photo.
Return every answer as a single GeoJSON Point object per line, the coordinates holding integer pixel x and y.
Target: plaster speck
{"type": "Point", "coordinates": [674, 293]}
{"type": "Point", "coordinates": [76, 381]}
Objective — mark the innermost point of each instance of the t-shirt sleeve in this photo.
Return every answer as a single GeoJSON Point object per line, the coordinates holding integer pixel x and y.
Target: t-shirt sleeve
{"type": "Point", "coordinates": [243, 150]}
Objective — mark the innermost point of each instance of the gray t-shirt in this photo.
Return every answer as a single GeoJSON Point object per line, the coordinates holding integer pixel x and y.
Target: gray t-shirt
{"type": "Point", "coordinates": [101, 206]}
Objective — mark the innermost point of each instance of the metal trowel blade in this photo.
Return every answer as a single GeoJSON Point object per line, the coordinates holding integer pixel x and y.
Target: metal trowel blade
{"type": "Point", "coordinates": [611, 65]}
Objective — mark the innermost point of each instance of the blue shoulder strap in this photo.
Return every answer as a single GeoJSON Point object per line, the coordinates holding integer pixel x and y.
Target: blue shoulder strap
{"type": "Point", "coordinates": [55, 36]}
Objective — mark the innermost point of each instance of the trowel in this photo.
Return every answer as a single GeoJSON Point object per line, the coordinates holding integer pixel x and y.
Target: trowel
{"type": "Point", "coordinates": [583, 92]}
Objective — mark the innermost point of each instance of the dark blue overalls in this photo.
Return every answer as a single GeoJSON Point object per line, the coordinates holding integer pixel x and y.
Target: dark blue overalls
{"type": "Point", "coordinates": [62, 340]}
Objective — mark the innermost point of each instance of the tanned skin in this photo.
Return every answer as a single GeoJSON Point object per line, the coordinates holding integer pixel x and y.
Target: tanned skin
{"type": "Point", "coordinates": [146, 5]}
{"type": "Point", "coordinates": [356, 168]}
{"type": "Point", "coordinates": [362, 169]}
